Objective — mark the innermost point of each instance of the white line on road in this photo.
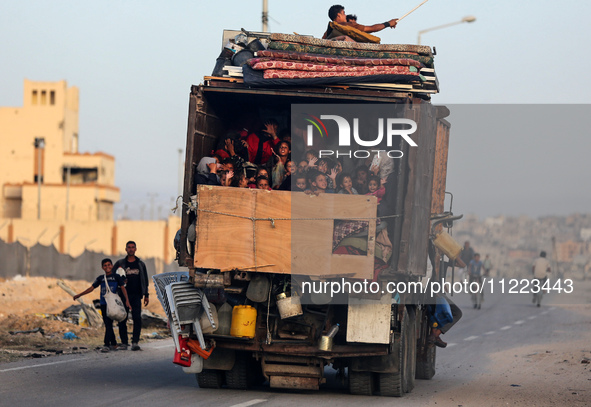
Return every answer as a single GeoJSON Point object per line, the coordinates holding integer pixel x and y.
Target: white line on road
{"type": "Point", "coordinates": [164, 346]}
{"type": "Point", "coordinates": [470, 338]}
{"type": "Point", "coordinates": [505, 327]}
{"type": "Point", "coordinates": [518, 322]}
{"type": "Point", "coordinates": [249, 403]}
{"type": "Point", "coordinates": [490, 333]}
{"type": "Point", "coordinates": [42, 364]}
{"type": "Point", "coordinates": [532, 317]}
{"type": "Point", "coordinates": [449, 345]}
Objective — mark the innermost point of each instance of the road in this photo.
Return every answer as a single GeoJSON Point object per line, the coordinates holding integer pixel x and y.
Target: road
{"type": "Point", "coordinates": [507, 353]}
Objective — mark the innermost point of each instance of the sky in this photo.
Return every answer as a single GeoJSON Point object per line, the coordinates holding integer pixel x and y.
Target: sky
{"type": "Point", "coordinates": [135, 61]}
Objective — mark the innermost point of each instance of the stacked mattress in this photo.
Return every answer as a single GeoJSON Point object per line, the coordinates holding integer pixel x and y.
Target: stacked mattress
{"type": "Point", "coordinates": [303, 60]}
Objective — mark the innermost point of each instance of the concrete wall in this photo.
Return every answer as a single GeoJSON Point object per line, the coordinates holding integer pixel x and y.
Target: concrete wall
{"type": "Point", "coordinates": [154, 239]}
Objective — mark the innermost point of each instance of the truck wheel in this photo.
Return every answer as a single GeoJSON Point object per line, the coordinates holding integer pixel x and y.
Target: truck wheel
{"type": "Point", "coordinates": [426, 364]}
{"type": "Point", "coordinates": [426, 355]}
{"type": "Point", "coordinates": [361, 383]}
{"type": "Point", "coordinates": [400, 382]}
{"type": "Point", "coordinates": [410, 364]}
{"type": "Point", "coordinates": [240, 377]}
{"type": "Point", "coordinates": [210, 379]}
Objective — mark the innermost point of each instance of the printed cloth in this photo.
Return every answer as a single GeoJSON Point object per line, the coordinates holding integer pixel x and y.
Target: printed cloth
{"type": "Point", "coordinates": [308, 66]}
{"type": "Point", "coordinates": [319, 42]}
{"type": "Point", "coordinates": [262, 56]}
{"type": "Point", "coordinates": [256, 78]}
{"type": "Point", "coordinates": [294, 74]}
{"type": "Point", "coordinates": [344, 228]}
{"type": "Point", "coordinates": [290, 46]}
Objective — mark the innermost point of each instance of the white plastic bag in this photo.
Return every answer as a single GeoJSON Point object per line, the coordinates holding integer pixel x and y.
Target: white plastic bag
{"type": "Point", "coordinates": [115, 308]}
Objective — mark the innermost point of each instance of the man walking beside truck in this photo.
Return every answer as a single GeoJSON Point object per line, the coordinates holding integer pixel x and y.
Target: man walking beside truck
{"type": "Point", "coordinates": [136, 283]}
{"type": "Point", "coordinates": [541, 271]}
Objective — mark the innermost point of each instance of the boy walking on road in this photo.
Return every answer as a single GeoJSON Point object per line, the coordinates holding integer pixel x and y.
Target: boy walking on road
{"type": "Point", "coordinates": [113, 282]}
{"type": "Point", "coordinates": [136, 282]}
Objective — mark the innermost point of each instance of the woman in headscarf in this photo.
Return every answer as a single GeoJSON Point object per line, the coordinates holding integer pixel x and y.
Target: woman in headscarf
{"type": "Point", "coordinates": [207, 171]}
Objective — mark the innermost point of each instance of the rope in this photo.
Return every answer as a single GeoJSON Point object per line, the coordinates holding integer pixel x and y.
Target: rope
{"type": "Point", "coordinates": [272, 220]}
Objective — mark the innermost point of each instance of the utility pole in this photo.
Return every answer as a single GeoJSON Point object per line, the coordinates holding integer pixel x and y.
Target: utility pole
{"type": "Point", "coordinates": [39, 146]}
{"type": "Point", "coordinates": [265, 15]}
{"type": "Point", "coordinates": [181, 167]}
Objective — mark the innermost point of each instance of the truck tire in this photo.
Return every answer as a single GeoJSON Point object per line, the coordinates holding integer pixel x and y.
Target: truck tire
{"type": "Point", "coordinates": [402, 381]}
{"type": "Point", "coordinates": [426, 364]}
{"type": "Point", "coordinates": [210, 379]}
{"type": "Point", "coordinates": [361, 383]}
{"type": "Point", "coordinates": [426, 355]}
{"type": "Point", "coordinates": [240, 377]}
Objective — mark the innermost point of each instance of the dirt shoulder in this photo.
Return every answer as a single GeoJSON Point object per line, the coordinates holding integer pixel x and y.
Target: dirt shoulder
{"type": "Point", "coordinates": [28, 304]}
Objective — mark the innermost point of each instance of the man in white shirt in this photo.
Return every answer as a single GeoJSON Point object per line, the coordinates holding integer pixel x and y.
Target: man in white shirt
{"type": "Point", "coordinates": [541, 271]}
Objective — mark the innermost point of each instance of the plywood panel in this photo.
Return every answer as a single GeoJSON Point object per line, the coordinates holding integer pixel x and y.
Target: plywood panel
{"type": "Point", "coordinates": [368, 321]}
{"type": "Point", "coordinates": [293, 231]}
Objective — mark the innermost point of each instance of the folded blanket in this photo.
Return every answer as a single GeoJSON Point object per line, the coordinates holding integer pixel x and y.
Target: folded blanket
{"type": "Point", "coordinates": [255, 78]}
{"type": "Point", "coordinates": [308, 66]}
{"type": "Point", "coordinates": [267, 55]}
{"type": "Point", "coordinates": [303, 39]}
{"type": "Point", "coordinates": [299, 74]}
{"type": "Point", "coordinates": [290, 46]}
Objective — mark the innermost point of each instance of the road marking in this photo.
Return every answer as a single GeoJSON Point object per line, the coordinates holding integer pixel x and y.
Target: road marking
{"type": "Point", "coordinates": [490, 333]}
{"type": "Point", "coordinates": [518, 322]}
{"type": "Point", "coordinates": [505, 327]}
{"type": "Point", "coordinates": [39, 365]}
{"type": "Point", "coordinates": [249, 403]}
{"type": "Point", "coordinates": [164, 346]}
{"type": "Point", "coordinates": [449, 345]}
{"type": "Point", "coordinates": [470, 338]}
{"type": "Point", "coordinates": [544, 313]}
{"type": "Point", "coordinates": [532, 317]}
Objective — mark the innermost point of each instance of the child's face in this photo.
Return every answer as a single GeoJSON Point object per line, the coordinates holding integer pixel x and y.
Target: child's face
{"type": "Point", "coordinates": [309, 155]}
{"type": "Point", "coordinates": [372, 186]}
{"type": "Point", "coordinates": [347, 183]}
{"type": "Point", "coordinates": [263, 172]}
{"type": "Point", "coordinates": [323, 167]}
{"type": "Point", "coordinates": [243, 183]}
{"type": "Point", "coordinates": [301, 183]}
{"type": "Point", "coordinates": [228, 167]}
{"type": "Point", "coordinates": [362, 176]}
{"type": "Point", "coordinates": [302, 166]}
{"type": "Point", "coordinates": [223, 179]}
{"type": "Point", "coordinates": [263, 184]}
{"type": "Point", "coordinates": [290, 167]}
{"type": "Point", "coordinates": [320, 182]}
{"type": "Point", "coordinates": [107, 267]}
{"type": "Point", "coordinates": [338, 167]}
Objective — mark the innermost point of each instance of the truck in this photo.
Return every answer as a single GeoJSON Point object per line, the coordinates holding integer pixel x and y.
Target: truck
{"type": "Point", "coordinates": [257, 250]}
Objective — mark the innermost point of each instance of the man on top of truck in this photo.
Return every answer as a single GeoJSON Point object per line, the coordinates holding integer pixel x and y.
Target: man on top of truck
{"type": "Point", "coordinates": [337, 14]}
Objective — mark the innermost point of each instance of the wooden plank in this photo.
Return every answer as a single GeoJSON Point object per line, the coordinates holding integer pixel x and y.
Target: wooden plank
{"type": "Point", "coordinates": [368, 321]}
{"type": "Point", "coordinates": [294, 231]}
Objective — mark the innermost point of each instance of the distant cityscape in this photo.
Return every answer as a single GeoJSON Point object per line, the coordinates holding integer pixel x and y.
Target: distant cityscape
{"type": "Point", "coordinates": [514, 242]}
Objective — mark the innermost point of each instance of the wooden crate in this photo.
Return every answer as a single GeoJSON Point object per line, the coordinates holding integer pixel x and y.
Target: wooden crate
{"type": "Point", "coordinates": [292, 232]}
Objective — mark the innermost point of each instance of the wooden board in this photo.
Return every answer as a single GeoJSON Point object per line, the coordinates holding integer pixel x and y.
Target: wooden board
{"type": "Point", "coordinates": [293, 231]}
{"type": "Point", "coordinates": [368, 321]}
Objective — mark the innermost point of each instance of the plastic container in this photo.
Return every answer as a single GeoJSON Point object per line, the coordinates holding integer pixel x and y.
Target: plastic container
{"type": "Point", "coordinates": [289, 306]}
{"type": "Point", "coordinates": [224, 319]}
{"type": "Point", "coordinates": [447, 245]}
{"type": "Point", "coordinates": [244, 318]}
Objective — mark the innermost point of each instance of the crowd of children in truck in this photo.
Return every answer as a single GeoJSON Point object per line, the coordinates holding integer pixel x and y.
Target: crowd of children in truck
{"type": "Point", "coordinates": [264, 160]}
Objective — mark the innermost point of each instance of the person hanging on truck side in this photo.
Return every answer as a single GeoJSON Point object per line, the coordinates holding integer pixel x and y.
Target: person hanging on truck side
{"type": "Point", "coordinates": [136, 283]}
{"type": "Point", "coordinates": [337, 15]}
{"type": "Point", "coordinates": [207, 170]}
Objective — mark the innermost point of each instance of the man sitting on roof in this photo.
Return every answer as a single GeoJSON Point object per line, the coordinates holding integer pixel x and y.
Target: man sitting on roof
{"type": "Point", "coordinates": [337, 15]}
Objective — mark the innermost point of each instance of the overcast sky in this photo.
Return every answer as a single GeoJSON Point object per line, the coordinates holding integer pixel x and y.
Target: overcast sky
{"type": "Point", "coordinates": [135, 61]}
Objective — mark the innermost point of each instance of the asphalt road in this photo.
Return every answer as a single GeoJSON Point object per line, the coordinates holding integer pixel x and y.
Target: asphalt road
{"type": "Point", "coordinates": [148, 378]}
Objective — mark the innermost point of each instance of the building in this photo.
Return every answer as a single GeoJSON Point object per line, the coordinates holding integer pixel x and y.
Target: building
{"type": "Point", "coordinates": [42, 174]}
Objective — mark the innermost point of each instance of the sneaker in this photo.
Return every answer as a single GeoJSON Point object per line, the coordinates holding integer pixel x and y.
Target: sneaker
{"type": "Point", "coordinates": [122, 346]}
{"type": "Point", "coordinates": [113, 347]}
{"type": "Point", "coordinates": [105, 349]}
{"type": "Point", "coordinates": [135, 346]}
{"type": "Point", "coordinates": [439, 342]}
